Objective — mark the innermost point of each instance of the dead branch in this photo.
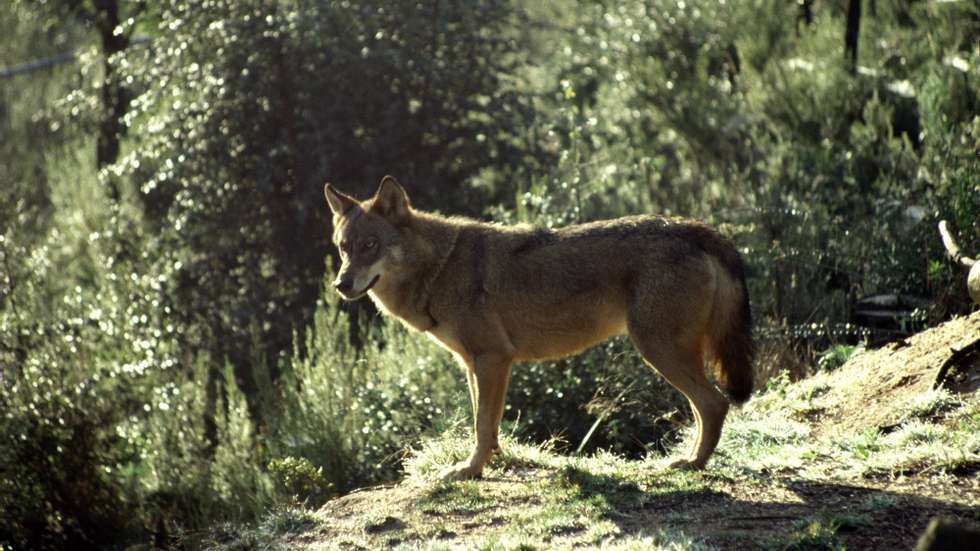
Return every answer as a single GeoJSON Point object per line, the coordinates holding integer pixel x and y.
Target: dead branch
{"type": "Point", "coordinates": [952, 248]}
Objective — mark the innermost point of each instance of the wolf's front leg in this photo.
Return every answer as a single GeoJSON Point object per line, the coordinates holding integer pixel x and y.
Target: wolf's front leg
{"type": "Point", "coordinates": [488, 375]}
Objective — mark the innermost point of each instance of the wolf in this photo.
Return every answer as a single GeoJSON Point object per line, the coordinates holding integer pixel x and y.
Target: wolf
{"type": "Point", "coordinates": [492, 295]}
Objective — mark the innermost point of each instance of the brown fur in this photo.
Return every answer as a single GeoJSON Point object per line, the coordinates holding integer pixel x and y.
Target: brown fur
{"type": "Point", "coordinates": [495, 294]}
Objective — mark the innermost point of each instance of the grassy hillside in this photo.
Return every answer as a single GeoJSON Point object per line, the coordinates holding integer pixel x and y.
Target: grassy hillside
{"type": "Point", "coordinates": [858, 457]}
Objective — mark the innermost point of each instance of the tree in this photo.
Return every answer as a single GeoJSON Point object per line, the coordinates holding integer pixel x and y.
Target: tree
{"type": "Point", "coordinates": [851, 34]}
{"type": "Point", "coordinates": [114, 23]}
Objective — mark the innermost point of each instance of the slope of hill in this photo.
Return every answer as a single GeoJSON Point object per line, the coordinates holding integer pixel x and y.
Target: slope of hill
{"type": "Point", "coordinates": [858, 457]}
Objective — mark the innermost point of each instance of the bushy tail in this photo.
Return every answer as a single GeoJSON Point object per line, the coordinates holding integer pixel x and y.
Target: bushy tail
{"type": "Point", "coordinates": [735, 350]}
{"type": "Point", "coordinates": [731, 327]}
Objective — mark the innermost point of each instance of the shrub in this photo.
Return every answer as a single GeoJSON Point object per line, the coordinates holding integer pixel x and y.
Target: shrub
{"type": "Point", "coordinates": [104, 436]}
{"type": "Point", "coordinates": [77, 363]}
{"type": "Point", "coordinates": [350, 413]}
{"type": "Point", "coordinates": [606, 398]}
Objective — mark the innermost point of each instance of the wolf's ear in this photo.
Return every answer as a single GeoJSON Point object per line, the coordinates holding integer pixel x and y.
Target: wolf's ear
{"type": "Point", "coordinates": [390, 200]}
{"type": "Point", "coordinates": [339, 202]}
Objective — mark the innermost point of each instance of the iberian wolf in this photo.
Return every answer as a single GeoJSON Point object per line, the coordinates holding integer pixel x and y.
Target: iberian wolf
{"type": "Point", "coordinates": [493, 295]}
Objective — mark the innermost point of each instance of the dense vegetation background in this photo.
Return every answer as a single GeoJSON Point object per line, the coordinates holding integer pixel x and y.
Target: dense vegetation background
{"type": "Point", "coordinates": [168, 356]}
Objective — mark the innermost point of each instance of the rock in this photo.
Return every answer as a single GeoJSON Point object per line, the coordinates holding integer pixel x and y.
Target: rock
{"type": "Point", "coordinates": [948, 534]}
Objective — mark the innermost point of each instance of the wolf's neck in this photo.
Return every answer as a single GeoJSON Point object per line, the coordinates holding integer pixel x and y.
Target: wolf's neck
{"type": "Point", "coordinates": [434, 271]}
{"type": "Point", "coordinates": [408, 297]}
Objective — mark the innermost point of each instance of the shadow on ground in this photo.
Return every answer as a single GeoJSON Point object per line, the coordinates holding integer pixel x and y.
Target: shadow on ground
{"type": "Point", "coordinates": [774, 512]}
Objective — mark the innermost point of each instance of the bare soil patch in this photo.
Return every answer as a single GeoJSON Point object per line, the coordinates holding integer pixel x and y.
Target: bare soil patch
{"type": "Point", "coordinates": [871, 389]}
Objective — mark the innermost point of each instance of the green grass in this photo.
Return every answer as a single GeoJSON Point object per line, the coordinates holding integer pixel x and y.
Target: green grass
{"type": "Point", "coordinates": [455, 498]}
{"type": "Point", "coordinates": [939, 431]}
{"type": "Point", "coordinates": [271, 534]}
{"type": "Point", "coordinates": [814, 534]}
{"type": "Point", "coordinates": [564, 501]}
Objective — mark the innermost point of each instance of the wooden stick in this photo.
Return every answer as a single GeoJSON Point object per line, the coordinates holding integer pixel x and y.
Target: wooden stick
{"type": "Point", "coordinates": [952, 248]}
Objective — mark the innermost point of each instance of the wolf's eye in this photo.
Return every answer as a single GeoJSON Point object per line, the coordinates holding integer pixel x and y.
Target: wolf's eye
{"type": "Point", "coordinates": [371, 243]}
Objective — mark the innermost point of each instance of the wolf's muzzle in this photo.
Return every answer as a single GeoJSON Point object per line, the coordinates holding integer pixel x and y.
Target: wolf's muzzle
{"type": "Point", "coordinates": [345, 286]}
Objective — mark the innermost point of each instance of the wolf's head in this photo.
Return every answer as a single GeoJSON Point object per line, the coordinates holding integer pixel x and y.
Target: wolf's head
{"type": "Point", "coordinates": [367, 235]}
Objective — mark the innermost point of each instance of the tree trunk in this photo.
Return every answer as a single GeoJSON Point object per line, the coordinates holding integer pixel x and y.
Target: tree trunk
{"type": "Point", "coordinates": [114, 96]}
{"type": "Point", "coordinates": [805, 16]}
{"type": "Point", "coordinates": [851, 34]}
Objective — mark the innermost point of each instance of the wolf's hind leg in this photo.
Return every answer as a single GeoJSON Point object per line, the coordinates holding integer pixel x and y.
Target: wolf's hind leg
{"type": "Point", "coordinates": [682, 364]}
{"type": "Point", "coordinates": [471, 385]}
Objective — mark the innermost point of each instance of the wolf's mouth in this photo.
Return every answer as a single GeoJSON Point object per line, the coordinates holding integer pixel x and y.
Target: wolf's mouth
{"type": "Point", "coordinates": [373, 281]}
{"type": "Point", "coordinates": [363, 292]}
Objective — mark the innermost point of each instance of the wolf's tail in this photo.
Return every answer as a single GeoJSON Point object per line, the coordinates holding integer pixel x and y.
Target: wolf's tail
{"type": "Point", "coordinates": [736, 352]}
{"type": "Point", "coordinates": [734, 349]}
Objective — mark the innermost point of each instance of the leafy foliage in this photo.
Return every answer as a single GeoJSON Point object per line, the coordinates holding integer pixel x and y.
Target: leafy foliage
{"type": "Point", "coordinates": [606, 398]}
{"type": "Point", "coordinates": [245, 109]}
{"type": "Point", "coordinates": [352, 412]}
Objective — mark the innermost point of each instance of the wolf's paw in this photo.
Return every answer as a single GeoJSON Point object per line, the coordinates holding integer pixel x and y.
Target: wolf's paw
{"type": "Point", "coordinates": [686, 465]}
{"type": "Point", "coordinates": [461, 471]}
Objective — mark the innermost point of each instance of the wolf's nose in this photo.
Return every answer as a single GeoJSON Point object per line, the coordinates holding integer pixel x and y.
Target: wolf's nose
{"type": "Point", "coordinates": [343, 284]}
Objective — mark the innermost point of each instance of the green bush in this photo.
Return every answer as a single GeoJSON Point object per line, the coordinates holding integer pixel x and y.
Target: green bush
{"type": "Point", "coordinates": [298, 477]}
{"type": "Point", "coordinates": [606, 398]}
{"type": "Point", "coordinates": [76, 362]}
{"type": "Point", "coordinates": [102, 435]}
{"type": "Point", "coordinates": [351, 413]}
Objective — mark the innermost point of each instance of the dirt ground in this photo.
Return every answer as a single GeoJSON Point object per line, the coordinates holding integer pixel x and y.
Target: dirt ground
{"type": "Point", "coordinates": [888, 515]}
{"type": "Point", "coordinates": [734, 515]}
{"type": "Point", "coordinates": [867, 388]}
